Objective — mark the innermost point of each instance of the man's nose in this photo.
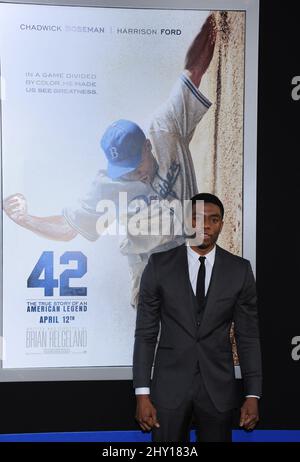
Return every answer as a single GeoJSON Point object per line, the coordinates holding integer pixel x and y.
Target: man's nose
{"type": "Point", "coordinates": [206, 223]}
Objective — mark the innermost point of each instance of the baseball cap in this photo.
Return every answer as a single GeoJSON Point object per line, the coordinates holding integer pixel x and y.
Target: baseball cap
{"type": "Point", "coordinates": [122, 143]}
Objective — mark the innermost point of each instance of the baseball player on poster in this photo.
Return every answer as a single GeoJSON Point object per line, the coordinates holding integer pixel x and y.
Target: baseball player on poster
{"type": "Point", "coordinates": [149, 168]}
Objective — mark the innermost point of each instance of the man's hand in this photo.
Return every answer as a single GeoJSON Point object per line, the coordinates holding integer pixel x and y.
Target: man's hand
{"type": "Point", "coordinates": [201, 51]}
{"type": "Point", "coordinates": [146, 413]}
{"type": "Point", "coordinates": [15, 207]}
{"type": "Point", "coordinates": [249, 414]}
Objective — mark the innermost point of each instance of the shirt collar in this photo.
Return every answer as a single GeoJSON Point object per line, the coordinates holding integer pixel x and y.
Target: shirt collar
{"type": "Point", "coordinates": [210, 256]}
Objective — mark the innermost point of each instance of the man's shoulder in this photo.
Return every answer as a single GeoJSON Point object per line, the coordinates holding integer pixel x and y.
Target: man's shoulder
{"type": "Point", "coordinates": [232, 258]}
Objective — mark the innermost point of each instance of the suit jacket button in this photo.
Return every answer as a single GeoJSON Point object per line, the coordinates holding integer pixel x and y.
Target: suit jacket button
{"type": "Point", "coordinates": [198, 323]}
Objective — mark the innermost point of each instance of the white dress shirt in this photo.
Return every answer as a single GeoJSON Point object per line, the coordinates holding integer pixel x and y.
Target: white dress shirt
{"type": "Point", "coordinates": [194, 265]}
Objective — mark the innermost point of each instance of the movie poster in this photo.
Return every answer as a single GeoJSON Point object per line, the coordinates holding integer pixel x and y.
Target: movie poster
{"type": "Point", "coordinates": [74, 81]}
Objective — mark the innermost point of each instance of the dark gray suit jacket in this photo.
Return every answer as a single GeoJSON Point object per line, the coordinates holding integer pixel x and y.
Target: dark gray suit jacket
{"type": "Point", "coordinates": [167, 300]}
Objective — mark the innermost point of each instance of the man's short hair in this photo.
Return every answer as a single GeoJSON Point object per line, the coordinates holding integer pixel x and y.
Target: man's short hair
{"type": "Point", "coordinates": [209, 198]}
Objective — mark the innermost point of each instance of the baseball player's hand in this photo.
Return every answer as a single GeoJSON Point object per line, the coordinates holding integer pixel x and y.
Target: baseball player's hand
{"type": "Point", "coordinates": [201, 50]}
{"type": "Point", "coordinates": [249, 414]}
{"type": "Point", "coordinates": [206, 43]}
{"type": "Point", "coordinates": [15, 206]}
{"type": "Point", "coordinates": [146, 413]}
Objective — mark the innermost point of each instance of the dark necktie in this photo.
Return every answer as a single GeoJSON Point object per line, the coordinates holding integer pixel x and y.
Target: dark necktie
{"type": "Point", "coordinates": [200, 288]}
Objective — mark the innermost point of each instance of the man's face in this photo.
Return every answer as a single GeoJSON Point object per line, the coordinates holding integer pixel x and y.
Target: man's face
{"type": "Point", "coordinates": [212, 224]}
{"type": "Point", "coordinates": [145, 172]}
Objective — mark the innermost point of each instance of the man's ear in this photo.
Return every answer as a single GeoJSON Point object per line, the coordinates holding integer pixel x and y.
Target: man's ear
{"type": "Point", "coordinates": [148, 145]}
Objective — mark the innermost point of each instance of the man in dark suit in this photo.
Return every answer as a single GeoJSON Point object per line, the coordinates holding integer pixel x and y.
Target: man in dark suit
{"type": "Point", "coordinates": [189, 297]}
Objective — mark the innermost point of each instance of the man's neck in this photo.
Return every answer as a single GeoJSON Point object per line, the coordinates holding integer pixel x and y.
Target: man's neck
{"type": "Point", "coordinates": [202, 251]}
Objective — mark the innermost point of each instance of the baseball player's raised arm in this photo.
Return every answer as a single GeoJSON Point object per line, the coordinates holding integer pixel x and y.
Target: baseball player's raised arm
{"type": "Point", "coordinates": [53, 227]}
{"type": "Point", "coordinates": [201, 51]}
{"type": "Point", "coordinates": [186, 104]}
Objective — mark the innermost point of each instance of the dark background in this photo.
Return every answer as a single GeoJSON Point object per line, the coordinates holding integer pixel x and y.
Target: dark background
{"type": "Point", "coordinates": [82, 406]}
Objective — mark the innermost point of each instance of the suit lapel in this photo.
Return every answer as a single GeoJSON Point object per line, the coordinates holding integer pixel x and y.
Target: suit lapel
{"type": "Point", "coordinates": [213, 291]}
{"type": "Point", "coordinates": [184, 282]}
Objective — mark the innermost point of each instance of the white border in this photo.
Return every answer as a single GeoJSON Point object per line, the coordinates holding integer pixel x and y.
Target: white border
{"type": "Point", "coordinates": [251, 7]}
